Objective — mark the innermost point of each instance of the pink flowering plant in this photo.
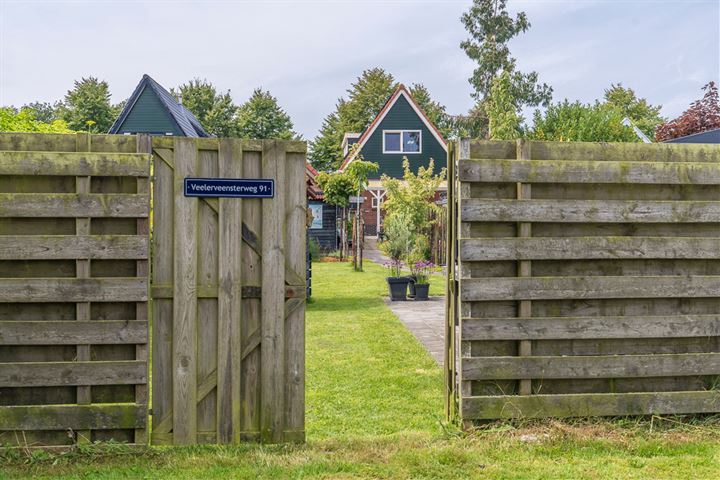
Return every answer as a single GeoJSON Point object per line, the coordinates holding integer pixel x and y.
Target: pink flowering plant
{"type": "Point", "coordinates": [422, 271]}
{"type": "Point", "coordinates": [395, 266]}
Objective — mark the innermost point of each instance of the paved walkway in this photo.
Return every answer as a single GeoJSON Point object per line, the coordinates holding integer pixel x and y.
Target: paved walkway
{"type": "Point", "coordinates": [372, 252]}
{"type": "Point", "coordinates": [425, 320]}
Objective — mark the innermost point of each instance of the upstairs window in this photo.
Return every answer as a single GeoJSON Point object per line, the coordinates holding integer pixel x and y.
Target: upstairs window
{"type": "Point", "coordinates": [402, 141]}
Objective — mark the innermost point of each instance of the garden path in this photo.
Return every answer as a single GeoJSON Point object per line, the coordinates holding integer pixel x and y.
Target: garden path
{"type": "Point", "coordinates": [425, 320]}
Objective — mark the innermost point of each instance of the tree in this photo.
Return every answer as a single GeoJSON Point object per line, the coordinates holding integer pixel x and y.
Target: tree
{"type": "Point", "coordinates": [413, 196]}
{"type": "Point", "coordinates": [339, 186]}
{"type": "Point", "coordinates": [365, 99]}
{"type": "Point", "coordinates": [87, 106]}
{"type": "Point", "coordinates": [504, 122]}
{"type": "Point", "coordinates": [491, 28]}
{"type": "Point", "coordinates": [703, 115]}
{"type": "Point", "coordinates": [325, 149]}
{"type": "Point", "coordinates": [215, 111]}
{"type": "Point", "coordinates": [643, 115]}
{"type": "Point", "coordinates": [44, 111]}
{"type": "Point", "coordinates": [578, 122]}
{"type": "Point", "coordinates": [262, 117]}
{"type": "Point", "coordinates": [26, 121]}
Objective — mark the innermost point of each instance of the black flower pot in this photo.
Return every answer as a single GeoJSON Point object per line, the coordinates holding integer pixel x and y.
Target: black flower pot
{"type": "Point", "coordinates": [398, 288]}
{"type": "Point", "coordinates": [411, 285]}
{"type": "Point", "coordinates": [421, 291]}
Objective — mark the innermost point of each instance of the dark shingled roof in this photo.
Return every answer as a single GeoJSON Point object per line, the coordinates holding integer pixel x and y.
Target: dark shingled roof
{"type": "Point", "coordinates": [185, 120]}
{"type": "Point", "coordinates": [709, 136]}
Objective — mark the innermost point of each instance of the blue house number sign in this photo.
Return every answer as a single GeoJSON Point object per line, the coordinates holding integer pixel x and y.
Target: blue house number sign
{"type": "Point", "coordinates": [230, 187]}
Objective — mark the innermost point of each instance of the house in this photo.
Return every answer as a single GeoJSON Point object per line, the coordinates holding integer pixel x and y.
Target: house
{"type": "Point", "coordinates": [152, 109]}
{"type": "Point", "coordinates": [399, 130]}
{"type": "Point", "coordinates": [322, 222]}
{"type": "Point", "coordinates": [708, 136]}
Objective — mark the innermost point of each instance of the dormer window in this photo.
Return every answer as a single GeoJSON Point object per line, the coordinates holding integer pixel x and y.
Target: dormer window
{"type": "Point", "coordinates": [402, 141]}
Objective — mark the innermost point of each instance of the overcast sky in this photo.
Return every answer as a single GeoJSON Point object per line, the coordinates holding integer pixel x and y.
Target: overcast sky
{"type": "Point", "coordinates": [308, 52]}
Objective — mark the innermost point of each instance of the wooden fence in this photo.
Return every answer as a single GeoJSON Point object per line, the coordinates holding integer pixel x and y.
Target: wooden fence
{"type": "Point", "coordinates": [228, 292]}
{"type": "Point", "coordinates": [73, 289]}
{"type": "Point", "coordinates": [587, 281]}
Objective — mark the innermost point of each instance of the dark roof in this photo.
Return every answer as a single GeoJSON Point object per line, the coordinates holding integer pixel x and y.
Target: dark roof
{"type": "Point", "coordinates": [709, 136]}
{"type": "Point", "coordinates": [185, 120]}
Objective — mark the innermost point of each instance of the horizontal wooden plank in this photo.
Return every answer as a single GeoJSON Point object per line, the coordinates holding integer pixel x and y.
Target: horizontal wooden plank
{"type": "Point", "coordinates": [558, 288]}
{"type": "Point", "coordinates": [95, 332]}
{"type": "Point", "coordinates": [611, 248]}
{"type": "Point", "coordinates": [76, 417]}
{"type": "Point", "coordinates": [116, 289]}
{"type": "Point", "coordinates": [211, 291]}
{"type": "Point", "coordinates": [73, 205]}
{"type": "Point", "coordinates": [558, 171]}
{"type": "Point", "coordinates": [75, 164]}
{"type": "Point", "coordinates": [599, 366]}
{"type": "Point", "coordinates": [290, 146]}
{"type": "Point", "coordinates": [597, 211]}
{"type": "Point", "coordinates": [578, 328]}
{"type": "Point", "coordinates": [624, 152]}
{"type": "Point", "coordinates": [57, 247]}
{"type": "Point", "coordinates": [587, 405]}
{"type": "Point", "coordinates": [55, 374]}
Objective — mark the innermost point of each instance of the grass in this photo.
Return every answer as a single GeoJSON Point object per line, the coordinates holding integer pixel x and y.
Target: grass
{"type": "Point", "coordinates": [374, 407]}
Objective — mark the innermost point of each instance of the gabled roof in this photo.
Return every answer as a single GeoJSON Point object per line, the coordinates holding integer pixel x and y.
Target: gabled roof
{"type": "Point", "coordinates": [314, 192]}
{"type": "Point", "coordinates": [183, 118]}
{"type": "Point", "coordinates": [708, 136]}
{"type": "Point", "coordinates": [401, 91]}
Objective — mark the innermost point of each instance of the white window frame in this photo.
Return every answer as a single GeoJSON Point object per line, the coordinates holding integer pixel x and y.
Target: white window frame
{"type": "Point", "coordinates": [374, 202]}
{"type": "Point", "coordinates": [402, 143]}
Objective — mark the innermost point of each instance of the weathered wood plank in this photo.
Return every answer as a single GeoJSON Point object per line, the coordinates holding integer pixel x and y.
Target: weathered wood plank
{"type": "Point", "coordinates": [96, 332]}
{"type": "Point", "coordinates": [251, 312]}
{"type": "Point", "coordinates": [185, 300]}
{"type": "Point", "coordinates": [55, 374]}
{"type": "Point", "coordinates": [601, 327]}
{"type": "Point", "coordinates": [593, 404]}
{"type": "Point", "coordinates": [624, 152]}
{"type": "Point", "coordinates": [208, 261]}
{"type": "Point", "coordinates": [295, 245]}
{"type": "Point", "coordinates": [142, 269]}
{"type": "Point", "coordinates": [75, 164]}
{"type": "Point", "coordinates": [162, 273]}
{"type": "Point", "coordinates": [558, 248]}
{"type": "Point", "coordinates": [597, 366]}
{"type": "Point", "coordinates": [116, 289]}
{"type": "Point", "coordinates": [55, 142]}
{"type": "Point", "coordinates": [76, 417]}
{"type": "Point", "coordinates": [56, 247]}
{"type": "Point", "coordinates": [73, 205]}
{"type": "Point", "coordinates": [524, 230]}
{"type": "Point", "coordinates": [558, 171]}
{"type": "Point", "coordinates": [230, 160]}
{"type": "Point", "coordinates": [586, 211]}
{"type": "Point", "coordinates": [273, 353]}
{"type": "Point", "coordinates": [556, 288]}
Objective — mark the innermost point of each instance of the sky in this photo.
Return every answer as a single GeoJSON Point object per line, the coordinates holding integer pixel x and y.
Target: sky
{"type": "Point", "coordinates": [307, 53]}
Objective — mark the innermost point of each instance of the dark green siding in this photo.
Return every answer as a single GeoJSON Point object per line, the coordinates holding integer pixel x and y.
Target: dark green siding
{"type": "Point", "coordinates": [148, 115]}
{"type": "Point", "coordinates": [402, 117]}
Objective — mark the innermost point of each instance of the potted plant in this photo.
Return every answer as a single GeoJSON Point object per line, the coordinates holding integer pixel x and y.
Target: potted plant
{"type": "Point", "coordinates": [417, 255]}
{"type": "Point", "coordinates": [423, 271]}
{"type": "Point", "coordinates": [399, 240]}
{"type": "Point", "coordinates": [397, 285]}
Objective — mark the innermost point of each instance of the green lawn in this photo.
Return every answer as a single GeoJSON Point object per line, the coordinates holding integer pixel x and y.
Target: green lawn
{"type": "Point", "coordinates": [374, 410]}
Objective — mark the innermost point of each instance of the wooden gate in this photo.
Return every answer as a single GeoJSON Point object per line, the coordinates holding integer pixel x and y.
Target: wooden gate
{"type": "Point", "coordinates": [73, 289]}
{"type": "Point", "coordinates": [584, 279]}
{"type": "Point", "coordinates": [228, 291]}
